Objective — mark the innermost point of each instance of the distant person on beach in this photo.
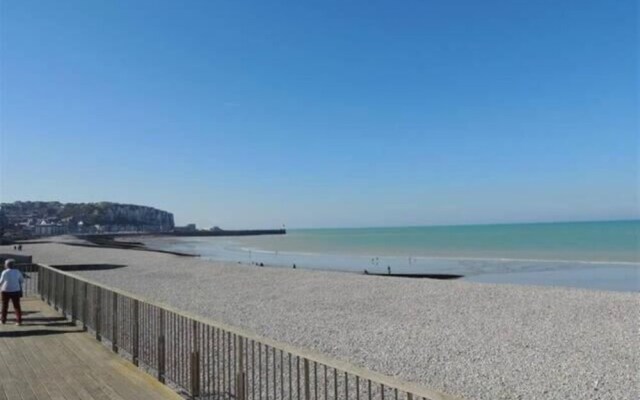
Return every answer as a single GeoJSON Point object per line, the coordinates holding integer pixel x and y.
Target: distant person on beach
{"type": "Point", "coordinates": [11, 281]}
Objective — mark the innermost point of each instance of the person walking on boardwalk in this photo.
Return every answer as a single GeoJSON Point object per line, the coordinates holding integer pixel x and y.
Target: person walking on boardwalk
{"type": "Point", "coordinates": [11, 281]}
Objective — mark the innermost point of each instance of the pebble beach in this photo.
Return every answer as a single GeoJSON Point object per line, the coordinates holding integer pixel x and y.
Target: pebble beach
{"type": "Point", "coordinates": [471, 340]}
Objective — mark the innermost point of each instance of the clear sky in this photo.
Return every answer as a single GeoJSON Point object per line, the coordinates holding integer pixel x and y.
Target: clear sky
{"type": "Point", "coordinates": [324, 113]}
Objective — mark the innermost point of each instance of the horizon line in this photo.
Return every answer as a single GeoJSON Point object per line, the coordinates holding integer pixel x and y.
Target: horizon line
{"type": "Point", "coordinates": [634, 219]}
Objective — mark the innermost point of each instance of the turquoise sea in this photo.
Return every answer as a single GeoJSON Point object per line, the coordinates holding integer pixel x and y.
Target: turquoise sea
{"type": "Point", "coordinates": [595, 255]}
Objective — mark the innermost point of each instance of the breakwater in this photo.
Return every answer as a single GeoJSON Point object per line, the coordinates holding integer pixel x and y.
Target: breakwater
{"type": "Point", "coordinates": [242, 232]}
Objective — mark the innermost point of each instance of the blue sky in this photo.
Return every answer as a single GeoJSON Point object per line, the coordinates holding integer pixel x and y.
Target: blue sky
{"type": "Point", "coordinates": [321, 114]}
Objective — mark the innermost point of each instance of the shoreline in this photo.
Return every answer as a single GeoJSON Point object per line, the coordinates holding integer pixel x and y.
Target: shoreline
{"type": "Point", "coordinates": [474, 340]}
{"type": "Point", "coordinates": [258, 250]}
{"type": "Point", "coordinates": [592, 275]}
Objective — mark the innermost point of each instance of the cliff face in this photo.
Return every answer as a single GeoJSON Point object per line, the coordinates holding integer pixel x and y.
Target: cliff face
{"type": "Point", "coordinates": [110, 216]}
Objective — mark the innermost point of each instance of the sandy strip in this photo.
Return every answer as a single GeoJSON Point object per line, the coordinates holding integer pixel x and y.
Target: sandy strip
{"type": "Point", "coordinates": [477, 341]}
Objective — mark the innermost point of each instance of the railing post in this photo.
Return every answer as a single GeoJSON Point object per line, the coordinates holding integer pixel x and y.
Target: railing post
{"type": "Point", "coordinates": [85, 301]}
{"type": "Point", "coordinates": [74, 301]}
{"type": "Point", "coordinates": [195, 374]}
{"type": "Point", "coordinates": [161, 347]}
{"type": "Point", "coordinates": [97, 309]}
{"type": "Point", "coordinates": [63, 303]}
{"type": "Point", "coordinates": [114, 325]}
{"type": "Point", "coordinates": [240, 379]}
{"type": "Point", "coordinates": [195, 363]}
{"type": "Point", "coordinates": [307, 387]}
{"type": "Point", "coordinates": [135, 334]}
{"type": "Point", "coordinates": [40, 281]}
{"type": "Point", "coordinates": [49, 287]}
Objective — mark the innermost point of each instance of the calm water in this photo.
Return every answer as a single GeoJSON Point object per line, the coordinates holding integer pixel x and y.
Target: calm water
{"type": "Point", "coordinates": [596, 255]}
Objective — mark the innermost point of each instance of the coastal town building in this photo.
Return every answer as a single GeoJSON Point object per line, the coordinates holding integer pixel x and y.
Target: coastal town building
{"type": "Point", "coordinates": [37, 218]}
{"type": "Point", "coordinates": [45, 228]}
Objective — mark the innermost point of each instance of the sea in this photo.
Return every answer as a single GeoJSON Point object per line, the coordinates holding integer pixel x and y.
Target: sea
{"type": "Point", "coordinates": [603, 255]}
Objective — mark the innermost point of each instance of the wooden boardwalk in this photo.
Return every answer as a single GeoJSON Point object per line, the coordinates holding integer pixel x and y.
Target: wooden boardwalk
{"type": "Point", "coordinates": [50, 358]}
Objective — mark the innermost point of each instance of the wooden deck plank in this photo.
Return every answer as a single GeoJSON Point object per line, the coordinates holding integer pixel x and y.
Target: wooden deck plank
{"type": "Point", "coordinates": [20, 370]}
{"type": "Point", "coordinates": [47, 373]}
{"type": "Point", "coordinates": [121, 381]}
{"type": "Point", "coordinates": [50, 359]}
{"type": "Point", "coordinates": [8, 382]}
{"type": "Point", "coordinates": [62, 374]}
{"type": "Point", "coordinates": [39, 386]}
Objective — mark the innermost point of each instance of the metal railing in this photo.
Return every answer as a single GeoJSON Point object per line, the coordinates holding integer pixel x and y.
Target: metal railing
{"type": "Point", "coordinates": [208, 360]}
{"type": "Point", "coordinates": [30, 275]}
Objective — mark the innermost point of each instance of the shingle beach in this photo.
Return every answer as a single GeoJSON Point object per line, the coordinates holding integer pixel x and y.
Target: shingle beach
{"type": "Point", "coordinates": [475, 341]}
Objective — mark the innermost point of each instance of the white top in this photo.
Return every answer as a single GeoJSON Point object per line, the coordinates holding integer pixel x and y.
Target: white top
{"type": "Point", "coordinates": [11, 280]}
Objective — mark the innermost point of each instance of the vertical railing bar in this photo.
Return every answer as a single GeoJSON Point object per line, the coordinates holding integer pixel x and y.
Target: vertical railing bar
{"type": "Point", "coordinates": [143, 333]}
{"type": "Point", "coordinates": [196, 351]}
{"type": "Point", "coordinates": [260, 370]}
{"type": "Point", "coordinates": [236, 362]}
{"type": "Point", "coordinates": [264, 349]}
{"type": "Point", "coordinates": [281, 375]}
{"type": "Point", "coordinates": [275, 379]}
{"type": "Point", "coordinates": [85, 306]}
{"type": "Point", "coordinates": [187, 352]}
{"type": "Point", "coordinates": [246, 366]}
{"type": "Point", "coordinates": [180, 361]}
{"type": "Point", "coordinates": [229, 364]}
{"type": "Point", "coordinates": [238, 357]}
{"type": "Point", "coordinates": [298, 377]}
{"type": "Point", "coordinates": [114, 326]}
{"type": "Point", "coordinates": [218, 362]}
{"type": "Point", "coordinates": [215, 361]}
{"type": "Point", "coordinates": [184, 355]}
{"type": "Point", "coordinates": [290, 379]}
{"type": "Point", "coordinates": [161, 347]}
{"type": "Point", "coordinates": [346, 386]}
{"type": "Point", "coordinates": [207, 357]}
{"type": "Point", "coordinates": [63, 295]}
{"type": "Point", "coordinates": [74, 302]}
{"type": "Point", "coordinates": [174, 355]}
{"type": "Point", "coordinates": [224, 363]}
{"type": "Point", "coordinates": [98, 306]}
{"type": "Point", "coordinates": [266, 373]}
{"type": "Point", "coordinates": [315, 380]}
{"type": "Point", "coordinates": [326, 384]}
{"type": "Point", "coordinates": [307, 386]}
{"type": "Point", "coordinates": [212, 360]}
{"type": "Point", "coordinates": [176, 349]}
{"type": "Point", "coordinates": [253, 369]}
{"type": "Point", "coordinates": [51, 297]}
